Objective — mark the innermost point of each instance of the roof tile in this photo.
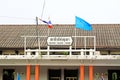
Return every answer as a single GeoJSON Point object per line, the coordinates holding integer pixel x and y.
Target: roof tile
{"type": "Point", "coordinates": [107, 35]}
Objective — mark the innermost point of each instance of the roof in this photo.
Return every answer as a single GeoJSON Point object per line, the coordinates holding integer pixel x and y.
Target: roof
{"type": "Point", "coordinates": [107, 35]}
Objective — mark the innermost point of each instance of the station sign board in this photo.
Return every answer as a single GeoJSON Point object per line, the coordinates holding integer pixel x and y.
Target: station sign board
{"type": "Point", "coordinates": [59, 40]}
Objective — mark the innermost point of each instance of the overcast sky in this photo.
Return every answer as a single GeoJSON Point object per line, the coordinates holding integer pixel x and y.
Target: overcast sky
{"type": "Point", "coordinates": [60, 11]}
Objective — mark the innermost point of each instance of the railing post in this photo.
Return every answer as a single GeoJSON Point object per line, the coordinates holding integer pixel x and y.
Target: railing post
{"type": "Point", "coordinates": [28, 52]}
{"type": "Point", "coordinates": [82, 52]}
{"type": "Point", "coordinates": [70, 53]}
{"type": "Point", "coordinates": [91, 52]}
{"type": "Point", "coordinates": [48, 52]}
{"type": "Point", "coordinates": [37, 53]}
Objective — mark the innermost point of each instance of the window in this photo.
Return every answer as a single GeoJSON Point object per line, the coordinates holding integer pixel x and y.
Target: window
{"type": "Point", "coordinates": [8, 74]}
{"type": "Point", "coordinates": [33, 53]}
{"type": "Point", "coordinates": [16, 52]}
{"type": "Point", "coordinates": [54, 74]}
{"type": "Point", "coordinates": [1, 52]}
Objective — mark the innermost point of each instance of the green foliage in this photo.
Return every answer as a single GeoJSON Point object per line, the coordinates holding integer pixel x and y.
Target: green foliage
{"type": "Point", "coordinates": [65, 53]}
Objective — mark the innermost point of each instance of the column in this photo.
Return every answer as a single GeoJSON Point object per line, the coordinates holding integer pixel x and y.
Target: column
{"type": "Point", "coordinates": [62, 73]}
{"type": "Point", "coordinates": [82, 72]}
{"type": "Point", "coordinates": [90, 72]}
{"type": "Point", "coordinates": [36, 72]}
{"type": "Point", "coordinates": [28, 72]}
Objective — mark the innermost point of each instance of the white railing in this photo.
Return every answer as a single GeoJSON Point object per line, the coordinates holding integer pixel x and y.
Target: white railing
{"type": "Point", "coordinates": [48, 50]}
{"type": "Point", "coordinates": [40, 56]}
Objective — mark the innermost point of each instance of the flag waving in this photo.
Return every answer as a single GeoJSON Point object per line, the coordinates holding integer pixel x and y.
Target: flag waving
{"type": "Point", "coordinates": [48, 23]}
{"type": "Point", "coordinates": [82, 24]}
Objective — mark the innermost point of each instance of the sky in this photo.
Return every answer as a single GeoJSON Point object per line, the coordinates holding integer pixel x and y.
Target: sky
{"type": "Point", "coordinates": [59, 11]}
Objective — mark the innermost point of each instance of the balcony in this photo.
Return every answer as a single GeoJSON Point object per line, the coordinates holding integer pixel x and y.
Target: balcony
{"type": "Point", "coordinates": [69, 56]}
{"type": "Point", "coordinates": [79, 55]}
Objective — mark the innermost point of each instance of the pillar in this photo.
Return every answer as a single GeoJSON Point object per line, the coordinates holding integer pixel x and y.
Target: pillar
{"type": "Point", "coordinates": [36, 72]}
{"type": "Point", "coordinates": [28, 72]}
{"type": "Point", "coordinates": [82, 72]}
{"type": "Point", "coordinates": [90, 72]}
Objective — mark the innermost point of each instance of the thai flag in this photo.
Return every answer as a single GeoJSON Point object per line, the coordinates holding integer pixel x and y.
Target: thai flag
{"type": "Point", "coordinates": [48, 23]}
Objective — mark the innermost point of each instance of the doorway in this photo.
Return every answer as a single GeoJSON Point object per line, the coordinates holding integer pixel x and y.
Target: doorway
{"type": "Point", "coordinates": [54, 74]}
{"type": "Point", "coordinates": [8, 74]}
{"type": "Point", "coordinates": [70, 74]}
{"type": "Point", "coordinates": [113, 74]}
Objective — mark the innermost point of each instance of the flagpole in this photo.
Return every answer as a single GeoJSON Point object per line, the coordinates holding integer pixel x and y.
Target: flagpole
{"type": "Point", "coordinates": [75, 35]}
{"type": "Point", "coordinates": [42, 13]}
{"type": "Point", "coordinates": [38, 38]}
{"type": "Point", "coordinates": [75, 38]}
{"type": "Point", "coordinates": [48, 27]}
{"type": "Point", "coordinates": [43, 9]}
{"type": "Point", "coordinates": [82, 24]}
{"type": "Point", "coordinates": [37, 25]}
{"type": "Point", "coordinates": [48, 31]}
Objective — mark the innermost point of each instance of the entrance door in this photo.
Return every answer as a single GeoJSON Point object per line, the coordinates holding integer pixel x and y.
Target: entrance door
{"type": "Point", "coordinates": [54, 74]}
{"type": "Point", "coordinates": [70, 74]}
{"type": "Point", "coordinates": [113, 74]}
{"type": "Point", "coordinates": [8, 74]}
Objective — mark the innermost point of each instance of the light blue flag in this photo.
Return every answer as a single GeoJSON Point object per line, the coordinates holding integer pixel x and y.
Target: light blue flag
{"type": "Point", "coordinates": [18, 76]}
{"type": "Point", "coordinates": [82, 24]}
